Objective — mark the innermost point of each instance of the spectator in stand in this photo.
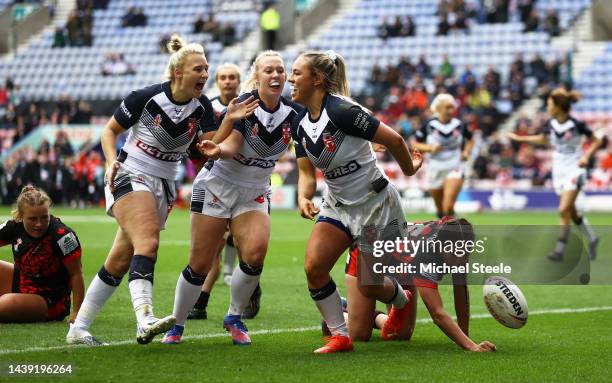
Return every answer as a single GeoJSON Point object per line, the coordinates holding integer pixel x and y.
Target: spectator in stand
{"type": "Point", "coordinates": [408, 27]}
{"type": "Point", "coordinates": [198, 24]}
{"type": "Point", "coordinates": [270, 24]}
{"type": "Point", "coordinates": [551, 23]}
{"type": "Point", "coordinates": [115, 64]}
{"type": "Point", "coordinates": [59, 37]}
{"type": "Point", "coordinates": [422, 68]}
{"type": "Point", "coordinates": [446, 69]}
{"type": "Point", "coordinates": [461, 22]}
{"type": "Point", "coordinates": [395, 29]}
{"type": "Point", "coordinates": [405, 67]}
{"type": "Point", "coordinates": [212, 27]}
{"type": "Point", "coordinates": [228, 34]}
{"type": "Point", "coordinates": [383, 29]}
{"type": "Point", "coordinates": [492, 82]}
{"type": "Point", "coordinates": [537, 68]}
{"type": "Point", "coordinates": [134, 17]}
{"type": "Point", "coordinates": [443, 25]}
{"type": "Point", "coordinates": [525, 7]}
{"type": "Point", "coordinates": [73, 27]}
{"type": "Point", "coordinates": [533, 22]}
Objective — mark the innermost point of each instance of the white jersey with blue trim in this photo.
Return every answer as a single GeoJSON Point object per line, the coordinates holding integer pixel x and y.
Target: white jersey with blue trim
{"type": "Point", "coordinates": [161, 129]}
{"type": "Point", "coordinates": [266, 135]}
{"type": "Point", "coordinates": [566, 139]}
{"type": "Point", "coordinates": [218, 107]}
{"type": "Point", "coordinates": [338, 143]}
{"type": "Point", "coordinates": [451, 137]}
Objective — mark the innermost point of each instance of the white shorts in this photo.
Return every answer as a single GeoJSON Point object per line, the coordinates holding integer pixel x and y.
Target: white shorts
{"type": "Point", "coordinates": [128, 180]}
{"type": "Point", "coordinates": [382, 210]}
{"type": "Point", "coordinates": [568, 180]}
{"type": "Point", "coordinates": [436, 177]}
{"type": "Point", "coordinates": [216, 197]}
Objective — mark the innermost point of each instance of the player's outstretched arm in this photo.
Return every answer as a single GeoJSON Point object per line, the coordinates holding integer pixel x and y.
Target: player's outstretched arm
{"type": "Point", "coordinates": [596, 143]}
{"type": "Point", "coordinates": [307, 185]}
{"type": "Point", "coordinates": [235, 111]}
{"type": "Point", "coordinates": [536, 139]}
{"type": "Point", "coordinates": [399, 150]}
{"type": "Point", "coordinates": [226, 149]}
{"type": "Point", "coordinates": [462, 303]}
{"type": "Point", "coordinates": [433, 301]}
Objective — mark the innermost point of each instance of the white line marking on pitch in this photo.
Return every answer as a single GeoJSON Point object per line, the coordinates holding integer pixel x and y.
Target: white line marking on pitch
{"type": "Point", "coordinates": [302, 329]}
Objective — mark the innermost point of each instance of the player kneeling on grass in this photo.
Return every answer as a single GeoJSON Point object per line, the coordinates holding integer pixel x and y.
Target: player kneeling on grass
{"type": "Point", "coordinates": [47, 266]}
{"type": "Point", "coordinates": [362, 316]}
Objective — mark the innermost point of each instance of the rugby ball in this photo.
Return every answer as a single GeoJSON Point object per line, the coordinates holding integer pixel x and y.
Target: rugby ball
{"type": "Point", "coordinates": [505, 301]}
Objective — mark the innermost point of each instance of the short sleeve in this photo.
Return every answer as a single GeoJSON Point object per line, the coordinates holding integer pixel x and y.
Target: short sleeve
{"type": "Point", "coordinates": [354, 120]}
{"type": "Point", "coordinates": [208, 122]}
{"type": "Point", "coordinates": [300, 151]}
{"type": "Point", "coordinates": [67, 243]}
{"type": "Point", "coordinates": [421, 134]}
{"type": "Point", "coordinates": [130, 109]}
{"type": "Point", "coordinates": [7, 232]}
{"type": "Point", "coordinates": [584, 129]}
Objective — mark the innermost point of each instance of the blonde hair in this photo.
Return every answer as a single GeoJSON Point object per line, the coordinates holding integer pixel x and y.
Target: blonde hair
{"type": "Point", "coordinates": [564, 99]}
{"type": "Point", "coordinates": [180, 49]}
{"type": "Point", "coordinates": [251, 82]}
{"type": "Point", "coordinates": [439, 100]}
{"type": "Point", "coordinates": [332, 68]}
{"type": "Point", "coordinates": [30, 196]}
{"type": "Point", "coordinates": [230, 66]}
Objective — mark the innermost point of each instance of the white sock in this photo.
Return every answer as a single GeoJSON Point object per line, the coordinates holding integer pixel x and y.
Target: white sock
{"type": "Point", "coordinates": [97, 295]}
{"type": "Point", "coordinates": [242, 288]}
{"type": "Point", "coordinates": [141, 291]}
{"type": "Point", "coordinates": [586, 229]}
{"type": "Point", "coordinates": [400, 299]}
{"type": "Point", "coordinates": [331, 310]}
{"type": "Point", "coordinates": [185, 296]}
{"type": "Point", "coordinates": [229, 260]}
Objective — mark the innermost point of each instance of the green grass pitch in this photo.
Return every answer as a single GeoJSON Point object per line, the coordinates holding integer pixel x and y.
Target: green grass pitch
{"type": "Point", "coordinates": [568, 336]}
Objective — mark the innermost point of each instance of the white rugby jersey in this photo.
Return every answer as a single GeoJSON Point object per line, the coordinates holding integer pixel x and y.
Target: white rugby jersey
{"type": "Point", "coordinates": [218, 107]}
{"type": "Point", "coordinates": [451, 137]}
{"type": "Point", "coordinates": [338, 143]}
{"type": "Point", "coordinates": [161, 129]}
{"type": "Point", "coordinates": [266, 135]}
{"type": "Point", "coordinates": [565, 138]}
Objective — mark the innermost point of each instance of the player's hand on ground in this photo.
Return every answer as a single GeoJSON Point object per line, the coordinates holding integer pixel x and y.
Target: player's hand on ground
{"type": "Point", "coordinates": [209, 149]}
{"type": "Point", "coordinates": [239, 110]}
{"type": "Point", "coordinates": [583, 162]}
{"type": "Point", "coordinates": [307, 208]}
{"type": "Point", "coordinates": [111, 172]}
{"type": "Point", "coordinates": [485, 346]}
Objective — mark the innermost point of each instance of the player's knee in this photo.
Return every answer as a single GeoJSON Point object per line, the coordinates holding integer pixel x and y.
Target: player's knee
{"type": "Point", "coordinates": [200, 265]}
{"type": "Point", "coordinates": [315, 272]}
{"type": "Point", "coordinates": [406, 335]}
{"type": "Point", "coordinates": [148, 247]}
{"type": "Point", "coordinates": [254, 254]}
{"type": "Point", "coordinates": [565, 211]}
{"type": "Point", "coordinates": [369, 291]}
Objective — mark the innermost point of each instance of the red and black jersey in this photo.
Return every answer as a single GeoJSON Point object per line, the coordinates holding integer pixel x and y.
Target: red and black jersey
{"type": "Point", "coordinates": [40, 262]}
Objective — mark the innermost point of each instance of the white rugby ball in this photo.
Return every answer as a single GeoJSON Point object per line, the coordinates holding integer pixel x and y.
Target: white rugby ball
{"type": "Point", "coordinates": [505, 301]}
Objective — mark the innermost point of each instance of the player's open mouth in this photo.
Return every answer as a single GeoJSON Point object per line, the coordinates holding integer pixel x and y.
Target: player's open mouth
{"type": "Point", "coordinates": [275, 85]}
{"type": "Point", "coordinates": [199, 86]}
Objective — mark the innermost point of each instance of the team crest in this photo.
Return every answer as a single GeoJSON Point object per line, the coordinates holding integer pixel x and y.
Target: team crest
{"type": "Point", "coordinates": [158, 119]}
{"type": "Point", "coordinates": [568, 135]}
{"type": "Point", "coordinates": [286, 133]}
{"type": "Point", "coordinates": [455, 133]}
{"type": "Point", "coordinates": [254, 130]}
{"type": "Point", "coordinates": [191, 124]}
{"type": "Point", "coordinates": [328, 140]}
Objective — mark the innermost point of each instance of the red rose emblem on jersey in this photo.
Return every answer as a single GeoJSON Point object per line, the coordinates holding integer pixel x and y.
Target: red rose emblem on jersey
{"type": "Point", "coordinates": [260, 199]}
{"type": "Point", "coordinates": [328, 140]}
{"type": "Point", "coordinates": [254, 130]}
{"type": "Point", "coordinates": [455, 133]}
{"type": "Point", "coordinates": [158, 119]}
{"type": "Point", "coordinates": [286, 133]}
{"type": "Point", "coordinates": [61, 231]}
{"type": "Point", "coordinates": [191, 124]}
{"type": "Point", "coordinates": [568, 135]}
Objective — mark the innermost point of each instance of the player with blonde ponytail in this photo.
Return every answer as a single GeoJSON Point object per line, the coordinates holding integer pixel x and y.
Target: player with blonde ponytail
{"type": "Point", "coordinates": [164, 120]}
